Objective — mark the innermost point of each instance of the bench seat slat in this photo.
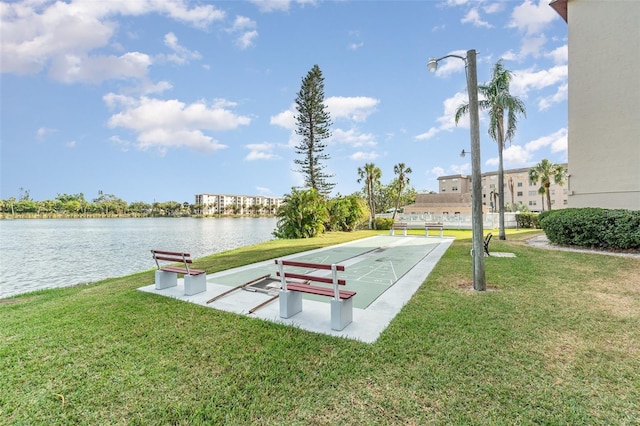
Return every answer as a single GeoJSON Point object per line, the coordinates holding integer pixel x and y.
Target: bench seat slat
{"type": "Point", "coordinates": [179, 270]}
{"type": "Point", "coordinates": [310, 265]}
{"type": "Point", "coordinates": [174, 259]}
{"type": "Point", "coordinates": [320, 291]}
{"type": "Point", "coordinates": [171, 253]}
{"type": "Point", "coordinates": [326, 280]}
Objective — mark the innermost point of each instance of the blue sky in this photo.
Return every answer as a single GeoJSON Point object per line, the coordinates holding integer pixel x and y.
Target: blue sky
{"type": "Point", "coordinates": [159, 100]}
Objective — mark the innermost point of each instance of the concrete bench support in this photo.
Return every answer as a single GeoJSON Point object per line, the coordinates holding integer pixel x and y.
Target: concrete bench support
{"type": "Point", "coordinates": [166, 279]}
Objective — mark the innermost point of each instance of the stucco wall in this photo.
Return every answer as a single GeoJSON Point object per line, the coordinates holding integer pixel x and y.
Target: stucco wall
{"type": "Point", "coordinates": [604, 104]}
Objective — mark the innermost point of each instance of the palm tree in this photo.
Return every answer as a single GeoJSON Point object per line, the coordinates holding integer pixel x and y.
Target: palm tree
{"type": "Point", "coordinates": [493, 195]}
{"type": "Point", "coordinates": [371, 175]}
{"type": "Point", "coordinates": [498, 101]}
{"type": "Point", "coordinates": [544, 172]}
{"type": "Point", "coordinates": [403, 180]}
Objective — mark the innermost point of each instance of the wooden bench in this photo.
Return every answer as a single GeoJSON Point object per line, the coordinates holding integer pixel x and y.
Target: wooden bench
{"type": "Point", "coordinates": [291, 291]}
{"type": "Point", "coordinates": [433, 225]}
{"type": "Point", "coordinates": [399, 225]}
{"type": "Point", "coordinates": [195, 280]}
{"type": "Point", "coordinates": [486, 243]}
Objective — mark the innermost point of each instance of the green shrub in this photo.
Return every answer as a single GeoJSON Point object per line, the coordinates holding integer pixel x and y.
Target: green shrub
{"type": "Point", "coordinates": [528, 220]}
{"type": "Point", "coordinates": [594, 227]}
{"type": "Point", "coordinates": [346, 213]}
{"type": "Point", "coordinates": [383, 223]}
{"type": "Point", "coordinates": [302, 215]}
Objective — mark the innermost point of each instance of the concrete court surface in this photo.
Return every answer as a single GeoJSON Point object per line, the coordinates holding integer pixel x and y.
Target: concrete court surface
{"type": "Point", "coordinates": [385, 271]}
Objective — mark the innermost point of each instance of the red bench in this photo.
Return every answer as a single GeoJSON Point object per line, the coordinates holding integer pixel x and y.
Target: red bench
{"type": "Point", "coordinates": [195, 280]}
{"type": "Point", "coordinates": [291, 291]}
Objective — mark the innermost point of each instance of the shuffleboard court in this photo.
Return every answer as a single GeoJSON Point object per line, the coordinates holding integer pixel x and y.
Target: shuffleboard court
{"type": "Point", "coordinates": [383, 270]}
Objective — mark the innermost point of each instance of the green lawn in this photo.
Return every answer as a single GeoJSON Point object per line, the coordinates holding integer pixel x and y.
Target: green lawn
{"type": "Point", "coordinates": [555, 341]}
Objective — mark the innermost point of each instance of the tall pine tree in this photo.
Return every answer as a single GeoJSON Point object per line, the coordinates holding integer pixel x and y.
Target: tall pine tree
{"type": "Point", "coordinates": [313, 124]}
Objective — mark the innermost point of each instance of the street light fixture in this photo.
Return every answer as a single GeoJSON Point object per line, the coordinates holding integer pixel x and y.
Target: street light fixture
{"type": "Point", "coordinates": [477, 252]}
{"type": "Point", "coordinates": [463, 153]}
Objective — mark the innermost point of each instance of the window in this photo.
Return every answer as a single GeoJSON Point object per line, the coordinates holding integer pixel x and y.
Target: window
{"type": "Point", "coordinates": [493, 185]}
{"type": "Point", "coordinates": [519, 193]}
{"type": "Point", "coordinates": [519, 184]}
{"type": "Point", "coordinates": [532, 193]}
{"type": "Point", "coordinates": [564, 202]}
{"type": "Point", "coordinates": [454, 180]}
{"type": "Point", "coordinates": [532, 203]}
{"type": "Point", "coordinates": [454, 188]}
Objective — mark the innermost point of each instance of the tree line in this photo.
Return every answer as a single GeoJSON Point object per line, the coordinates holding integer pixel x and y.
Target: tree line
{"type": "Point", "coordinates": [105, 205]}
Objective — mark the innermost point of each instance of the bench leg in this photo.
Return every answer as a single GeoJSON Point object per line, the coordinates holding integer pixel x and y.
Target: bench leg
{"type": "Point", "coordinates": [166, 279]}
{"type": "Point", "coordinates": [341, 313]}
{"type": "Point", "coordinates": [194, 284]}
{"type": "Point", "coordinates": [404, 232]}
{"type": "Point", "coordinates": [290, 303]}
{"type": "Point", "coordinates": [391, 232]}
{"type": "Point", "coordinates": [441, 233]}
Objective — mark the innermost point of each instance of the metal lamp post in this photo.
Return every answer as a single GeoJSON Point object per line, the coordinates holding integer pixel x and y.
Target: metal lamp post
{"type": "Point", "coordinates": [477, 252]}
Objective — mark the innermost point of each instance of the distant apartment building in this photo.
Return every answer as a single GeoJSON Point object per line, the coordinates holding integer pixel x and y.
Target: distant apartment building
{"type": "Point", "coordinates": [211, 204]}
{"type": "Point", "coordinates": [518, 190]}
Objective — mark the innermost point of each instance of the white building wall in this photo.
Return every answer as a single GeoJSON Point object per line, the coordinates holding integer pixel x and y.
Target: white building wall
{"type": "Point", "coordinates": [604, 104]}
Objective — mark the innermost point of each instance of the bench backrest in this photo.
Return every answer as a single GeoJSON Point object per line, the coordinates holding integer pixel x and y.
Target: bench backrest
{"type": "Point", "coordinates": [324, 266]}
{"type": "Point", "coordinates": [172, 256]}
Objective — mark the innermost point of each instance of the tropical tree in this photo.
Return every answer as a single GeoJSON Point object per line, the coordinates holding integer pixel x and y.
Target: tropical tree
{"type": "Point", "coordinates": [493, 195]}
{"type": "Point", "coordinates": [313, 124]}
{"type": "Point", "coordinates": [371, 176]}
{"type": "Point", "coordinates": [301, 215]}
{"type": "Point", "coordinates": [402, 180]}
{"type": "Point", "coordinates": [501, 104]}
{"type": "Point", "coordinates": [544, 172]}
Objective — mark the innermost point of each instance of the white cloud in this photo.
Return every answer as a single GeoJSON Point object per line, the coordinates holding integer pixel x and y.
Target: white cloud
{"type": "Point", "coordinates": [71, 68]}
{"type": "Point", "coordinates": [447, 120]}
{"type": "Point", "coordinates": [493, 7]}
{"type": "Point", "coordinates": [245, 27]}
{"type": "Point", "coordinates": [247, 39]}
{"type": "Point", "coordinates": [181, 54]}
{"type": "Point", "coordinates": [363, 156]}
{"type": "Point", "coordinates": [525, 80]}
{"type": "Point", "coordinates": [43, 132]}
{"type": "Point", "coordinates": [532, 46]}
{"type": "Point", "coordinates": [37, 35]}
{"type": "Point", "coordinates": [260, 151]}
{"type": "Point", "coordinates": [438, 171]}
{"type": "Point", "coordinates": [559, 55]}
{"type": "Point", "coordinates": [473, 17]}
{"type": "Point", "coordinates": [285, 119]}
{"type": "Point", "coordinates": [355, 108]}
{"type": "Point", "coordinates": [531, 18]}
{"type": "Point", "coordinates": [171, 123]}
{"type": "Point", "coordinates": [560, 96]}
{"type": "Point", "coordinates": [515, 156]}
{"type": "Point", "coordinates": [279, 5]}
{"type": "Point", "coordinates": [70, 144]}
{"type": "Point", "coordinates": [353, 138]}
{"type": "Point", "coordinates": [262, 190]}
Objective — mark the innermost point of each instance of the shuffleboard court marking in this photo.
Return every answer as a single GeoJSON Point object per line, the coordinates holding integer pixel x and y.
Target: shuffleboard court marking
{"type": "Point", "coordinates": [402, 263]}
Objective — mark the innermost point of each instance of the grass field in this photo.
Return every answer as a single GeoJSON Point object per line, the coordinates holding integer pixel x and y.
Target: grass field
{"type": "Point", "coordinates": [555, 340]}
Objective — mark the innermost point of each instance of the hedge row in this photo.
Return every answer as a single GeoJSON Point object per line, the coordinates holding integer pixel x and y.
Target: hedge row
{"type": "Point", "coordinates": [528, 220]}
{"type": "Point", "coordinates": [593, 227]}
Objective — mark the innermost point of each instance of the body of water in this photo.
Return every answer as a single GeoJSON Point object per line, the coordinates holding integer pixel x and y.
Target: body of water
{"type": "Point", "coordinates": [37, 254]}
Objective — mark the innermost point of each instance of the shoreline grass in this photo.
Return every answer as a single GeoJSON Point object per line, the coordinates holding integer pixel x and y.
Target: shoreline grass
{"type": "Point", "coordinates": [555, 341]}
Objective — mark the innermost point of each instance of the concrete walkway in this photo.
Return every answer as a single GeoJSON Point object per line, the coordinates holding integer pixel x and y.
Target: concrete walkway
{"type": "Point", "coordinates": [368, 321]}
